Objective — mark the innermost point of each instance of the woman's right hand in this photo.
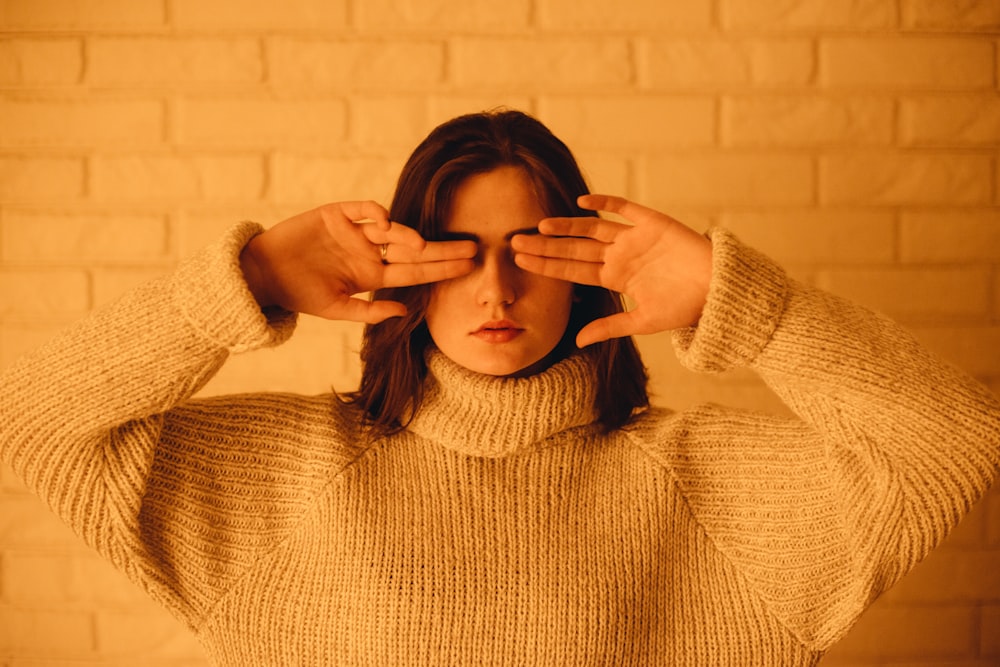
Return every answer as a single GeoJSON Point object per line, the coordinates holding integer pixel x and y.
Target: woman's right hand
{"type": "Point", "coordinates": [317, 261]}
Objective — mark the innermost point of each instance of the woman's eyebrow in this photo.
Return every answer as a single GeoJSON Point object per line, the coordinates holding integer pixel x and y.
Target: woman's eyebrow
{"type": "Point", "coordinates": [475, 238]}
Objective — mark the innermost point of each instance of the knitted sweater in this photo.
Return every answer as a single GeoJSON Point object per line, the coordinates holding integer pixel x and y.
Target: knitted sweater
{"type": "Point", "coordinates": [502, 527]}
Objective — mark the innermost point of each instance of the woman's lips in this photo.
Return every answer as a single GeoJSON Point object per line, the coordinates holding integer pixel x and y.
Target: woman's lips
{"type": "Point", "coordinates": [502, 331]}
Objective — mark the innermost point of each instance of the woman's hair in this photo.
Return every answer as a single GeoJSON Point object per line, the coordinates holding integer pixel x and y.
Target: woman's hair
{"type": "Point", "coordinates": [392, 352]}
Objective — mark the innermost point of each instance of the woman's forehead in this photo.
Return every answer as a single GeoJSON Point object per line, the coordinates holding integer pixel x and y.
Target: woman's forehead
{"type": "Point", "coordinates": [496, 203]}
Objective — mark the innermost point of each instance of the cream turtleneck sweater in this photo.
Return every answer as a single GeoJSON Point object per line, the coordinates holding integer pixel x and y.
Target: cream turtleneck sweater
{"type": "Point", "coordinates": [502, 527]}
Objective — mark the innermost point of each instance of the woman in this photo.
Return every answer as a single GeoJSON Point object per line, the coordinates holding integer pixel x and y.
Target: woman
{"type": "Point", "coordinates": [492, 494]}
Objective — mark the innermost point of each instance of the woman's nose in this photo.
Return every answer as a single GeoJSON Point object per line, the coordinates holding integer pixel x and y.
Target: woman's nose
{"type": "Point", "coordinates": [496, 282]}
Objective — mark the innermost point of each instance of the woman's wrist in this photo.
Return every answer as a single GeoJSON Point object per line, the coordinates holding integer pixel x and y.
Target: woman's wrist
{"type": "Point", "coordinates": [253, 274]}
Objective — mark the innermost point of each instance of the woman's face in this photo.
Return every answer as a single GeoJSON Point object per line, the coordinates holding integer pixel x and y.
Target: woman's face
{"type": "Point", "coordinates": [498, 319]}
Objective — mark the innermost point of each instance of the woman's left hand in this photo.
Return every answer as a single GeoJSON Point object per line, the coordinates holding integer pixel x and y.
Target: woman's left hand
{"type": "Point", "coordinates": [662, 265]}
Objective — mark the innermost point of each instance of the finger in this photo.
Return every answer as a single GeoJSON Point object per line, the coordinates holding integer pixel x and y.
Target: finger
{"type": "Point", "coordinates": [619, 205]}
{"type": "Point", "coordinates": [586, 227]}
{"type": "Point", "coordinates": [618, 325]}
{"type": "Point", "coordinates": [433, 251]}
{"type": "Point", "coordinates": [584, 273]}
{"type": "Point", "coordinates": [396, 234]}
{"type": "Point", "coordinates": [354, 309]}
{"type": "Point", "coordinates": [357, 211]}
{"type": "Point", "coordinates": [383, 310]}
{"type": "Point", "coordinates": [598, 202]}
{"type": "Point", "coordinates": [364, 214]}
{"type": "Point", "coordinates": [405, 236]}
{"type": "Point", "coordinates": [580, 249]}
{"type": "Point", "coordinates": [405, 275]}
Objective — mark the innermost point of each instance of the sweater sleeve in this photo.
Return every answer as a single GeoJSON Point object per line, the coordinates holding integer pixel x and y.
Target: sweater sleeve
{"type": "Point", "coordinates": [890, 449]}
{"type": "Point", "coordinates": [81, 418]}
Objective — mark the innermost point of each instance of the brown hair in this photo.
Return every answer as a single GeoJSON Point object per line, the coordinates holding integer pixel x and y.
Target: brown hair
{"type": "Point", "coordinates": [392, 352]}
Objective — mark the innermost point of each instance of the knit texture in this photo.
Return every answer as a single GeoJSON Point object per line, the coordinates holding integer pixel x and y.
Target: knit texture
{"type": "Point", "coordinates": [503, 527]}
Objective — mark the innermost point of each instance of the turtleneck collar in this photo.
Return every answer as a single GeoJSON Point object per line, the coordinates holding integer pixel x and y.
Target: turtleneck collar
{"type": "Point", "coordinates": [483, 415]}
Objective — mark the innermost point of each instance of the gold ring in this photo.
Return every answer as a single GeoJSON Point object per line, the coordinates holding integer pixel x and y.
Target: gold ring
{"type": "Point", "coordinates": [383, 250]}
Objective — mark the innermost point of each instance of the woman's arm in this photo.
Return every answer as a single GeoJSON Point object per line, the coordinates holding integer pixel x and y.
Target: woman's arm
{"type": "Point", "coordinates": [80, 417]}
{"type": "Point", "coordinates": [83, 419]}
{"type": "Point", "coordinates": [892, 447]}
{"type": "Point", "coordinates": [821, 514]}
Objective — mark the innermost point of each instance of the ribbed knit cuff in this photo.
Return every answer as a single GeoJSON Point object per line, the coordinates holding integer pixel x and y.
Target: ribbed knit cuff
{"type": "Point", "coordinates": [745, 301]}
{"type": "Point", "coordinates": [212, 294]}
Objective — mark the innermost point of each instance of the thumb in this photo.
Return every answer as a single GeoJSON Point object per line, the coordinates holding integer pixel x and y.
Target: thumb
{"type": "Point", "coordinates": [605, 328]}
{"type": "Point", "coordinates": [354, 309]}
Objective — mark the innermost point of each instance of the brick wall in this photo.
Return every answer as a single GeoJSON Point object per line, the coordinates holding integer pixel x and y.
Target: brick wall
{"type": "Point", "coordinates": [855, 141]}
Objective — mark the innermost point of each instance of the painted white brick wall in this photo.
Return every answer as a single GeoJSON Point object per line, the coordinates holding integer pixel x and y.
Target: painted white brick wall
{"type": "Point", "coordinates": [856, 142]}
